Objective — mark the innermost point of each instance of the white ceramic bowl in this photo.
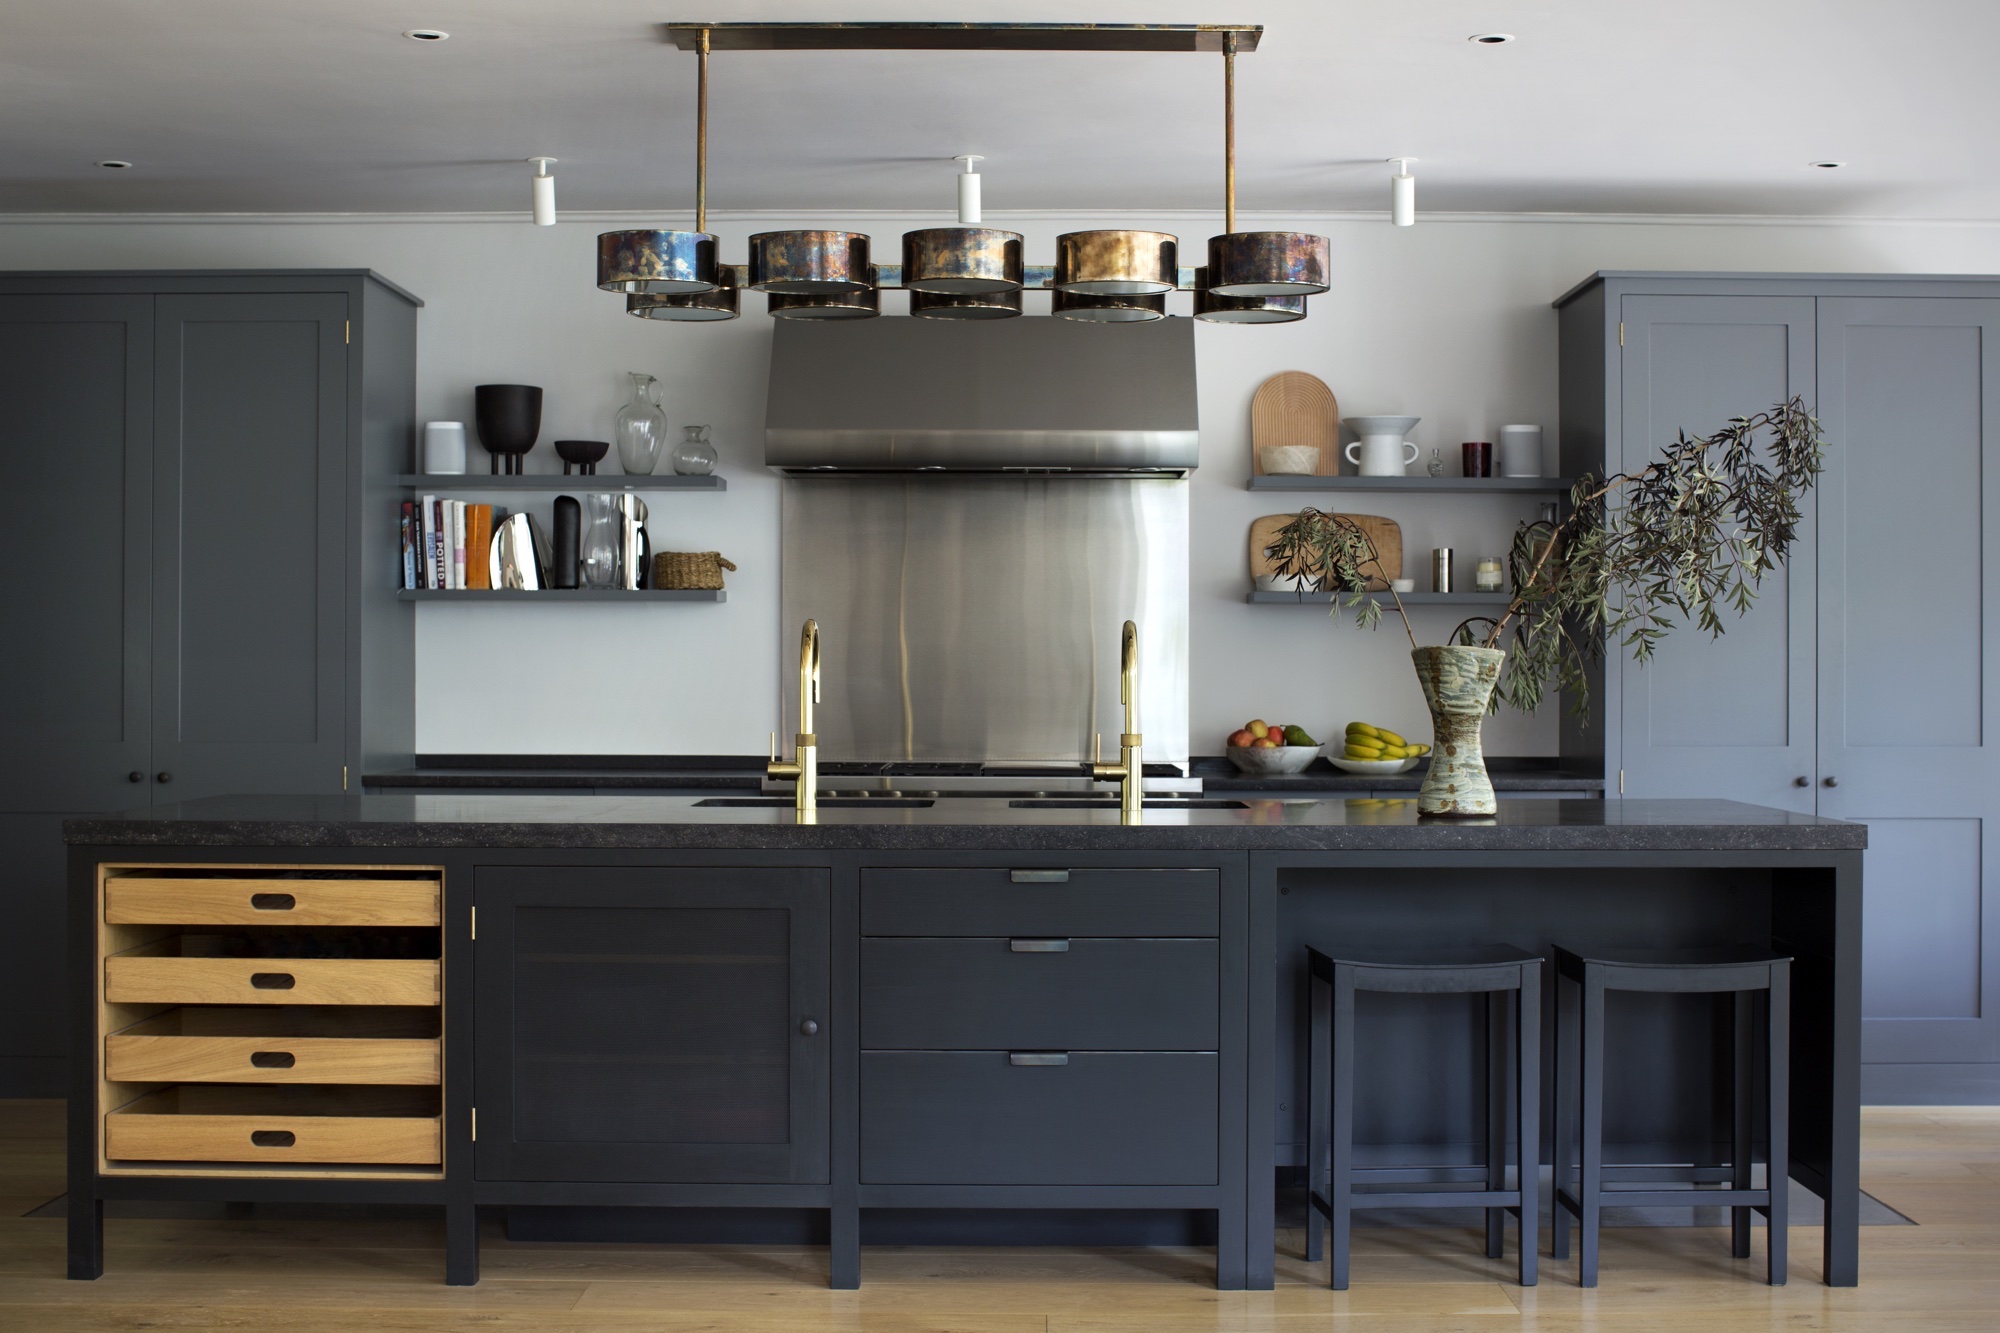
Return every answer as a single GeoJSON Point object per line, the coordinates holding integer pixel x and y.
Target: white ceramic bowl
{"type": "Point", "coordinates": [1269, 760]}
{"type": "Point", "coordinates": [1289, 460]}
{"type": "Point", "coordinates": [1403, 585]}
{"type": "Point", "coordinates": [1374, 767]}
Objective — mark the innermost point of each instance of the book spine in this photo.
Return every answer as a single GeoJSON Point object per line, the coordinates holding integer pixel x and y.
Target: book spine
{"type": "Point", "coordinates": [441, 559]}
{"type": "Point", "coordinates": [458, 544]}
{"type": "Point", "coordinates": [427, 533]}
{"type": "Point", "coordinates": [478, 546]}
{"type": "Point", "coordinates": [409, 564]}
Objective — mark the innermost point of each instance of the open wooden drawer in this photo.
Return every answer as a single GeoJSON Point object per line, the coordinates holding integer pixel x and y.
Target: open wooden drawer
{"type": "Point", "coordinates": [278, 1045]}
{"type": "Point", "coordinates": [193, 968]}
{"type": "Point", "coordinates": [278, 1126]}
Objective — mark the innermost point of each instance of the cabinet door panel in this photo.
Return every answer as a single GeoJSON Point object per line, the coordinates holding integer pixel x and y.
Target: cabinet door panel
{"type": "Point", "coordinates": [646, 1025]}
{"type": "Point", "coordinates": [249, 661]}
{"type": "Point", "coordinates": [1729, 717]}
{"type": "Point", "coordinates": [1909, 577]}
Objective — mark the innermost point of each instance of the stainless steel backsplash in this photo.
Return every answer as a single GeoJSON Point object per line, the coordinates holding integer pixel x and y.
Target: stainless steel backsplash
{"type": "Point", "coordinates": [976, 617]}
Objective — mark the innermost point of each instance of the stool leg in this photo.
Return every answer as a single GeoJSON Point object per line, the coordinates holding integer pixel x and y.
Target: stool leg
{"type": "Point", "coordinates": [1741, 1143]}
{"type": "Point", "coordinates": [1319, 1004]}
{"type": "Point", "coordinates": [1496, 1119]}
{"type": "Point", "coordinates": [1528, 1115]}
{"type": "Point", "coordinates": [1340, 1180]}
{"type": "Point", "coordinates": [1778, 1030]}
{"type": "Point", "coordinates": [1560, 1135]}
{"type": "Point", "coordinates": [1590, 1183]}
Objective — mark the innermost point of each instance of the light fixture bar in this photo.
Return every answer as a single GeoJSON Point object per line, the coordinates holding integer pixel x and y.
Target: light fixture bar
{"type": "Point", "coordinates": [701, 133]}
{"type": "Point", "coordinates": [1202, 37]}
{"type": "Point", "coordinates": [1229, 133]}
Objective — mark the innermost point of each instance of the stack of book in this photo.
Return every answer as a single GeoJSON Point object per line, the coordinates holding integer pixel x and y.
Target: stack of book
{"type": "Point", "coordinates": [446, 543]}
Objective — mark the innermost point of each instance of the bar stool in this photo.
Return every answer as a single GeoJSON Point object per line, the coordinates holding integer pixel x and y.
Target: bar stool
{"type": "Point", "coordinates": [1494, 970]}
{"type": "Point", "coordinates": [1744, 973]}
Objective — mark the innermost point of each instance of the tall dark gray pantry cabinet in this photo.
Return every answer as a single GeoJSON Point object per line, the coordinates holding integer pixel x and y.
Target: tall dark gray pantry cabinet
{"type": "Point", "coordinates": [199, 583]}
{"type": "Point", "coordinates": [1860, 685]}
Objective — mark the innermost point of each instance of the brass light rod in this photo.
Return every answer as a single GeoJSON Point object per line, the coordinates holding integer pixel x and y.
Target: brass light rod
{"type": "Point", "coordinates": [1204, 37]}
{"type": "Point", "coordinates": [701, 134]}
{"type": "Point", "coordinates": [1229, 132]}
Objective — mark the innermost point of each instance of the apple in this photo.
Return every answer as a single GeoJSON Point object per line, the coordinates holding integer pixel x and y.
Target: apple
{"type": "Point", "coordinates": [1257, 727]}
{"type": "Point", "coordinates": [1264, 743]}
{"type": "Point", "coordinates": [1239, 739]}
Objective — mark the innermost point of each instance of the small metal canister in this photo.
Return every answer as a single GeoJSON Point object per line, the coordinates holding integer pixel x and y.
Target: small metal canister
{"type": "Point", "coordinates": [1440, 569]}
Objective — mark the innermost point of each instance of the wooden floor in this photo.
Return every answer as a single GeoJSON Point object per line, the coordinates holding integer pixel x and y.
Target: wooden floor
{"type": "Point", "coordinates": [1940, 1167]}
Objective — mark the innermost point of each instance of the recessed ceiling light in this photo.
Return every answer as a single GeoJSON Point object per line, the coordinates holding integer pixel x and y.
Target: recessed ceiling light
{"type": "Point", "coordinates": [1826, 165]}
{"type": "Point", "coordinates": [1491, 38]}
{"type": "Point", "coordinates": [115, 164]}
{"type": "Point", "coordinates": [426, 34]}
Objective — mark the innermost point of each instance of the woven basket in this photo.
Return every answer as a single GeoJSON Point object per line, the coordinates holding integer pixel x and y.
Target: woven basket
{"type": "Point", "coordinates": [689, 569]}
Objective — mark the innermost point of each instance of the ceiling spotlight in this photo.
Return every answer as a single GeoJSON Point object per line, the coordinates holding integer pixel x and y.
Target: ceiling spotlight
{"type": "Point", "coordinates": [1402, 193]}
{"type": "Point", "coordinates": [1491, 38]}
{"type": "Point", "coordinates": [1827, 166]}
{"type": "Point", "coordinates": [114, 164]}
{"type": "Point", "coordinates": [545, 192]}
{"type": "Point", "coordinates": [426, 34]}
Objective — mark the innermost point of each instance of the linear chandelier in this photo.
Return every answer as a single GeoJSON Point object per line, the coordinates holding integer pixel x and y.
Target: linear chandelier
{"type": "Point", "coordinates": [969, 271]}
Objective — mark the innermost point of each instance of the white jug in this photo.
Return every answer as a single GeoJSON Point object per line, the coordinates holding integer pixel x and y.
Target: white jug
{"type": "Point", "coordinates": [1383, 452]}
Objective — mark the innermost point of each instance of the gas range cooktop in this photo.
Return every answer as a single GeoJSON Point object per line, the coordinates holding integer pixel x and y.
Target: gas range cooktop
{"type": "Point", "coordinates": [908, 778]}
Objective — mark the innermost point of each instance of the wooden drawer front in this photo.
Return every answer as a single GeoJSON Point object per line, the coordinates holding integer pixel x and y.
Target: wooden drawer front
{"type": "Point", "coordinates": [1012, 994]}
{"type": "Point", "coordinates": [150, 980]}
{"type": "Point", "coordinates": [275, 1139]}
{"type": "Point", "coordinates": [144, 1059]}
{"type": "Point", "coordinates": [137, 900]}
{"type": "Point", "coordinates": [976, 1118]}
{"type": "Point", "coordinates": [1105, 903]}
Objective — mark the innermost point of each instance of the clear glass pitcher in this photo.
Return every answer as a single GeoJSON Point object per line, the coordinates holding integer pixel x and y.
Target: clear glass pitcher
{"type": "Point", "coordinates": [601, 531]}
{"type": "Point", "coordinates": [641, 429]}
{"type": "Point", "coordinates": [694, 456]}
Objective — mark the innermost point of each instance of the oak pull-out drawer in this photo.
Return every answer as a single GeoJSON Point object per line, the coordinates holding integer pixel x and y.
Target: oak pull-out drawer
{"type": "Point", "coordinates": [150, 1059]}
{"type": "Point", "coordinates": [1039, 901]}
{"type": "Point", "coordinates": [246, 901]}
{"type": "Point", "coordinates": [1025, 992]}
{"type": "Point", "coordinates": [196, 1124]}
{"type": "Point", "coordinates": [1038, 1118]}
{"type": "Point", "coordinates": [141, 978]}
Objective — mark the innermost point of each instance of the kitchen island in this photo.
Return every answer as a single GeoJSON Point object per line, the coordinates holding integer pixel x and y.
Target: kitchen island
{"type": "Point", "coordinates": [901, 1020]}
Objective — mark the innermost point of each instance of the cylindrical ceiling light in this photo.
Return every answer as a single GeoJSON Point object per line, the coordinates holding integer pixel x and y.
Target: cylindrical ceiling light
{"type": "Point", "coordinates": [544, 192]}
{"type": "Point", "coordinates": [965, 305]}
{"type": "Point", "coordinates": [1110, 263]}
{"type": "Point", "coordinates": [1257, 263]}
{"type": "Point", "coordinates": [1217, 309]}
{"type": "Point", "coordinates": [1109, 308]}
{"type": "Point", "coordinates": [719, 302]}
{"type": "Point", "coordinates": [806, 263]}
{"type": "Point", "coordinates": [863, 304]}
{"type": "Point", "coordinates": [1402, 193]}
{"type": "Point", "coordinates": [675, 263]}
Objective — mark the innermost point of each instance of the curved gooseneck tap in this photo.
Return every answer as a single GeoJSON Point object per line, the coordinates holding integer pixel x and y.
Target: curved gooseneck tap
{"type": "Point", "coordinates": [1129, 771]}
{"type": "Point", "coordinates": [803, 768]}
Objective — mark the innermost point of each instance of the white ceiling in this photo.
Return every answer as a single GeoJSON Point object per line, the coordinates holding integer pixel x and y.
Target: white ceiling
{"type": "Point", "coordinates": [317, 106]}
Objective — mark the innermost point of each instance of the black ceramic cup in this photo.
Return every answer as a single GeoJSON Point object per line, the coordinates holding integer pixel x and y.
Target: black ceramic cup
{"type": "Point", "coordinates": [509, 417]}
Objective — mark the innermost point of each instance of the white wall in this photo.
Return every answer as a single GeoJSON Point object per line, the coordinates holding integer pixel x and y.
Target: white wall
{"type": "Point", "coordinates": [1449, 320]}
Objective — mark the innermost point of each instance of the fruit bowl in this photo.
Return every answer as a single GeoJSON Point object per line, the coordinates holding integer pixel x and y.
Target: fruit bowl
{"type": "Point", "coordinates": [1271, 759]}
{"type": "Point", "coordinates": [1375, 767]}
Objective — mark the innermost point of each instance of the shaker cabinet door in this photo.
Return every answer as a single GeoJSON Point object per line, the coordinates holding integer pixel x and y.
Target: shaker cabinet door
{"type": "Point", "coordinates": [1729, 717]}
{"type": "Point", "coordinates": [249, 675]}
{"type": "Point", "coordinates": [1909, 631]}
{"type": "Point", "coordinates": [653, 1025]}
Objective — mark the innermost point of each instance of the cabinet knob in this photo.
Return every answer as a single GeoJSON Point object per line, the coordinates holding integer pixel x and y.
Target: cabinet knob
{"type": "Point", "coordinates": [163, 776]}
{"type": "Point", "coordinates": [1802, 781]}
{"type": "Point", "coordinates": [1833, 782]}
{"type": "Point", "coordinates": [810, 1027]}
{"type": "Point", "coordinates": [135, 776]}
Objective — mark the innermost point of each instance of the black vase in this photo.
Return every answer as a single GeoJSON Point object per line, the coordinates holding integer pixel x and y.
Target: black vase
{"type": "Point", "coordinates": [509, 417]}
{"type": "Point", "coordinates": [568, 540]}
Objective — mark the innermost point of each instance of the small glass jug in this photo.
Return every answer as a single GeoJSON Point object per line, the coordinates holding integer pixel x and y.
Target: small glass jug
{"type": "Point", "coordinates": [694, 456]}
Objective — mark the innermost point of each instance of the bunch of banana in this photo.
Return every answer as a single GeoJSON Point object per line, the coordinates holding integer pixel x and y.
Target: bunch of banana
{"type": "Point", "coordinates": [1371, 743]}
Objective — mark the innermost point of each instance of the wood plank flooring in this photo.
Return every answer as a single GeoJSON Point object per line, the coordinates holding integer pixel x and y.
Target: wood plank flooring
{"type": "Point", "coordinates": [1939, 1166]}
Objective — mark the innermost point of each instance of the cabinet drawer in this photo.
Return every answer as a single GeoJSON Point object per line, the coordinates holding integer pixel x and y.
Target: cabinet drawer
{"type": "Point", "coordinates": [1057, 993]}
{"type": "Point", "coordinates": [196, 1124]}
{"type": "Point", "coordinates": [140, 978]}
{"type": "Point", "coordinates": [144, 900]}
{"type": "Point", "coordinates": [977, 1118]}
{"type": "Point", "coordinates": [147, 1059]}
{"type": "Point", "coordinates": [1106, 903]}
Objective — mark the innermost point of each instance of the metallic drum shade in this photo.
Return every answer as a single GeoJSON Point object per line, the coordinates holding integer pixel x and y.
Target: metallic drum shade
{"type": "Point", "coordinates": [1104, 309]}
{"type": "Point", "coordinates": [1117, 262]}
{"type": "Point", "coordinates": [696, 308]}
{"type": "Point", "coordinates": [962, 259]}
{"type": "Point", "coordinates": [676, 262]}
{"type": "Point", "coordinates": [1243, 309]}
{"type": "Point", "coordinates": [965, 305]}
{"type": "Point", "coordinates": [1267, 263]}
{"type": "Point", "coordinates": [809, 262]}
{"type": "Point", "coordinates": [864, 304]}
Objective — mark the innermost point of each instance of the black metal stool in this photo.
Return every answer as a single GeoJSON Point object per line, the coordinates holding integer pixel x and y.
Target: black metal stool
{"type": "Point", "coordinates": [1744, 973]}
{"type": "Point", "coordinates": [1492, 970]}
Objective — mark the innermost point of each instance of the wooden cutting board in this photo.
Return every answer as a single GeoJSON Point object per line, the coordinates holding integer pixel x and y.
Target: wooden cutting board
{"type": "Point", "coordinates": [1295, 408]}
{"type": "Point", "coordinates": [1386, 535]}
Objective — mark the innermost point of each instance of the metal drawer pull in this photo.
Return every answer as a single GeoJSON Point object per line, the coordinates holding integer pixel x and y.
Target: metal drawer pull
{"type": "Point", "coordinates": [273, 1138]}
{"type": "Point", "coordinates": [273, 902]}
{"type": "Point", "coordinates": [1039, 876]}
{"type": "Point", "coordinates": [273, 980]}
{"type": "Point", "coordinates": [1034, 1058]}
{"type": "Point", "coordinates": [273, 1059]}
{"type": "Point", "coordinates": [1039, 946]}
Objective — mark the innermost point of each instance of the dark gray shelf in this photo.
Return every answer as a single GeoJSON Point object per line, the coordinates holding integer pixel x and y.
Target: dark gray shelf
{"type": "Point", "coordinates": [552, 483]}
{"type": "Point", "coordinates": [555, 596]}
{"type": "Point", "coordinates": [1319, 599]}
{"type": "Point", "coordinates": [1543, 485]}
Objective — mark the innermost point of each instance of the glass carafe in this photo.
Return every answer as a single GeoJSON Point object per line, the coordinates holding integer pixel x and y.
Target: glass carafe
{"type": "Point", "coordinates": [694, 456]}
{"type": "Point", "coordinates": [641, 428]}
{"type": "Point", "coordinates": [599, 559]}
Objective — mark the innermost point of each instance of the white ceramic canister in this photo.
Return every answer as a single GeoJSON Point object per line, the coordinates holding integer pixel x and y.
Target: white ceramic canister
{"type": "Point", "coordinates": [1381, 450]}
{"type": "Point", "coordinates": [444, 446]}
{"type": "Point", "coordinates": [1520, 451]}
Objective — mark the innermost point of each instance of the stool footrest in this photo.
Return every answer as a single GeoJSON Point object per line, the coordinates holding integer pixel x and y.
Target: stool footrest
{"type": "Point", "coordinates": [1423, 1199]}
{"type": "Point", "coordinates": [1758, 1199]}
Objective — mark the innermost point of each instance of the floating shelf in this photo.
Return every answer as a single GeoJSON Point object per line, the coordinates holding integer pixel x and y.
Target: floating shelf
{"type": "Point", "coordinates": [553, 483]}
{"type": "Point", "coordinates": [1319, 599]}
{"type": "Point", "coordinates": [1544, 485]}
{"type": "Point", "coordinates": [556, 596]}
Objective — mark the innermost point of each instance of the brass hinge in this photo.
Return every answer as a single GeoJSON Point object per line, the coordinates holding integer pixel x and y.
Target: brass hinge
{"type": "Point", "coordinates": [475, 1124]}
{"type": "Point", "coordinates": [343, 777]}
{"type": "Point", "coordinates": [475, 923]}
{"type": "Point", "coordinates": [347, 331]}
{"type": "Point", "coordinates": [1621, 333]}
{"type": "Point", "coordinates": [1621, 782]}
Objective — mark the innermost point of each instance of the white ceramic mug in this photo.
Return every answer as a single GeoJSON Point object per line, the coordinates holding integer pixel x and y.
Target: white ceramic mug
{"type": "Point", "coordinates": [1382, 455]}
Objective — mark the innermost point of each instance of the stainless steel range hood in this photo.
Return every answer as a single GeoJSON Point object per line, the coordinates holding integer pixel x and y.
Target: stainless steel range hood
{"type": "Point", "coordinates": [1037, 395]}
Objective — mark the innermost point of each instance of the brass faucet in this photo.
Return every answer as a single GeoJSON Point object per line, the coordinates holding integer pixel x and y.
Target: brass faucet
{"type": "Point", "coordinates": [1129, 771]}
{"type": "Point", "coordinates": [803, 767]}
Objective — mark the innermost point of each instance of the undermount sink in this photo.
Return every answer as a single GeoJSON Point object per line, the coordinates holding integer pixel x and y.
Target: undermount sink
{"type": "Point", "coordinates": [824, 802]}
{"type": "Point", "coordinates": [1111, 803]}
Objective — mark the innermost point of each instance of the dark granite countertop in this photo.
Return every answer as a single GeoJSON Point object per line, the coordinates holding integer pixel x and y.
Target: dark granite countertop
{"type": "Point", "coordinates": [498, 820]}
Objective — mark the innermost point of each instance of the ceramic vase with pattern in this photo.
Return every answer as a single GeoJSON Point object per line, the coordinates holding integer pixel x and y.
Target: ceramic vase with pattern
{"type": "Point", "coordinates": [1458, 685]}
